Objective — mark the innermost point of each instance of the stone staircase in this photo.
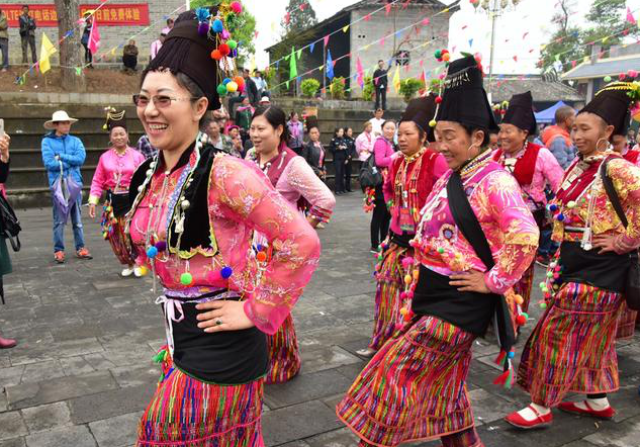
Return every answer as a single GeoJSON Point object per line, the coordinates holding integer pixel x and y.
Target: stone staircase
{"type": "Point", "coordinates": [27, 185]}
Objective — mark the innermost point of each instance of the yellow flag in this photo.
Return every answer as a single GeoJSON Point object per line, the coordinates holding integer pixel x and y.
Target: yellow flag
{"type": "Point", "coordinates": [46, 51]}
{"type": "Point", "coordinates": [345, 29]}
{"type": "Point", "coordinates": [396, 79]}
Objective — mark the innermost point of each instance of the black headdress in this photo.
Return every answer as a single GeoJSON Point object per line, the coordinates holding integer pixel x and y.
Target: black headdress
{"type": "Point", "coordinates": [186, 51]}
{"type": "Point", "coordinates": [464, 99]}
{"type": "Point", "coordinates": [520, 113]}
{"type": "Point", "coordinates": [421, 111]}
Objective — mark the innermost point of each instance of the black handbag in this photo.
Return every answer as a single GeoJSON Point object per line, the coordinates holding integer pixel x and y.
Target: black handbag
{"type": "Point", "coordinates": [9, 224]}
{"type": "Point", "coordinates": [119, 202]}
{"type": "Point", "coordinates": [632, 284]}
{"type": "Point", "coordinates": [370, 175]}
{"type": "Point", "coordinates": [468, 224]}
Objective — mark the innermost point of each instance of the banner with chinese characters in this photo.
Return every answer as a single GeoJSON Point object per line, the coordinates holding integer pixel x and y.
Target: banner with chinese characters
{"type": "Point", "coordinates": [116, 14]}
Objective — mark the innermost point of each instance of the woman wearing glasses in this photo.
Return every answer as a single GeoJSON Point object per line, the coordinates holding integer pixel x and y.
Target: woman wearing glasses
{"type": "Point", "coordinates": [193, 214]}
{"type": "Point", "coordinates": [113, 174]}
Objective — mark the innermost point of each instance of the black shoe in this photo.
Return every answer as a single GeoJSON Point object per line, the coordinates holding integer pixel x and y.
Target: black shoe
{"type": "Point", "coordinates": [349, 190]}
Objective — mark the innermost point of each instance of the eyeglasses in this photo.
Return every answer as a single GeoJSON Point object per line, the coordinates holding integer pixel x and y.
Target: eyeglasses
{"type": "Point", "coordinates": [160, 101]}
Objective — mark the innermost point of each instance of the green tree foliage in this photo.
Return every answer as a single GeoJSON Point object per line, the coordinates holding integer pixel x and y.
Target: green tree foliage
{"type": "Point", "coordinates": [409, 87]}
{"type": "Point", "coordinates": [310, 87]}
{"type": "Point", "coordinates": [369, 89]}
{"type": "Point", "coordinates": [337, 88]}
{"type": "Point", "coordinates": [299, 16]}
{"type": "Point", "coordinates": [241, 27]}
{"type": "Point", "coordinates": [606, 27]}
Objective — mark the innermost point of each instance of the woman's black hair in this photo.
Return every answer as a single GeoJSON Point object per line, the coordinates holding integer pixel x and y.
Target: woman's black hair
{"type": "Point", "coordinates": [421, 132]}
{"type": "Point", "coordinates": [387, 122]}
{"type": "Point", "coordinates": [471, 129]}
{"type": "Point", "coordinates": [335, 132]}
{"type": "Point", "coordinates": [276, 117]}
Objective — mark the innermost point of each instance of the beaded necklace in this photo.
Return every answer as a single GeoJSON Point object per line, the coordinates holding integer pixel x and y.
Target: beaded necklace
{"type": "Point", "coordinates": [406, 191]}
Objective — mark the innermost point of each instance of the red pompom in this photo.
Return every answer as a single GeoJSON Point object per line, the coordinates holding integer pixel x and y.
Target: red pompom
{"type": "Point", "coordinates": [438, 99]}
{"type": "Point", "coordinates": [521, 320]}
{"type": "Point", "coordinates": [216, 55]}
{"type": "Point", "coordinates": [224, 49]}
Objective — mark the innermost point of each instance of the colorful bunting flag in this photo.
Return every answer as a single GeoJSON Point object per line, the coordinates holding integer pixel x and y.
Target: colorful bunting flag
{"type": "Point", "coordinates": [293, 66]}
{"type": "Point", "coordinates": [46, 51]}
{"type": "Point", "coordinates": [630, 17]}
{"type": "Point", "coordinates": [387, 9]}
{"type": "Point", "coordinates": [94, 38]}
{"type": "Point", "coordinates": [345, 29]}
{"type": "Point", "coordinates": [326, 40]}
{"type": "Point", "coordinates": [312, 47]}
{"type": "Point", "coordinates": [329, 65]}
{"type": "Point", "coordinates": [396, 80]}
{"type": "Point", "coordinates": [360, 72]}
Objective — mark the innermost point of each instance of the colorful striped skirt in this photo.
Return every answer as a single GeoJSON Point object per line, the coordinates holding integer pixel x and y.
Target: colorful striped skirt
{"type": "Point", "coordinates": [572, 348]}
{"type": "Point", "coordinates": [284, 354]}
{"type": "Point", "coordinates": [114, 231]}
{"type": "Point", "coordinates": [524, 287]}
{"type": "Point", "coordinates": [187, 412]}
{"type": "Point", "coordinates": [626, 323]}
{"type": "Point", "coordinates": [413, 388]}
{"type": "Point", "coordinates": [390, 278]}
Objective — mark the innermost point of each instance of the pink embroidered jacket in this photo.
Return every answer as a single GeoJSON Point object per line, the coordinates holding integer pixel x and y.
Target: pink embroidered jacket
{"type": "Point", "coordinates": [112, 170]}
{"type": "Point", "coordinates": [240, 201]}
{"type": "Point", "coordinates": [505, 219]}
{"type": "Point", "coordinates": [547, 171]}
{"type": "Point", "coordinates": [364, 145]}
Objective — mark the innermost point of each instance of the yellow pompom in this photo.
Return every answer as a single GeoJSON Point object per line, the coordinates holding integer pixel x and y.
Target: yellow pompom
{"type": "Point", "coordinates": [143, 270]}
{"type": "Point", "coordinates": [416, 274]}
{"type": "Point", "coordinates": [519, 299]}
{"type": "Point", "coordinates": [408, 279]}
{"type": "Point", "coordinates": [404, 311]}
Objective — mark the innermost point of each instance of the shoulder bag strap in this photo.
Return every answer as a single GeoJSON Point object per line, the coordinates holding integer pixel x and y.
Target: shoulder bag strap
{"type": "Point", "coordinates": [467, 221]}
{"type": "Point", "coordinates": [611, 193]}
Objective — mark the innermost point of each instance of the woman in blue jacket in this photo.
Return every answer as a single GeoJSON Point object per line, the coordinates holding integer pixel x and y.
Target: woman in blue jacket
{"type": "Point", "coordinates": [60, 150]}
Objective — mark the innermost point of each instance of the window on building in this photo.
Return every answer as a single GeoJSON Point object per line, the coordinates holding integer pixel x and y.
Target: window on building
{"type": "Point", "coordinates": [402, 57]}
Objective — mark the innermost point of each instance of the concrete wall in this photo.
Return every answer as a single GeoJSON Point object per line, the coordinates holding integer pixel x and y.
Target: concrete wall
{"type": "Point", "coordinates": [111, 35]}
{"type": "Point", "coordinates": [370, 32]}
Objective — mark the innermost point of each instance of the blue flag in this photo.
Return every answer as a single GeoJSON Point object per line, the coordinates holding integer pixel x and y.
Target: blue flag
{"type": "Point", "coordinates": [329, 66]}
{"type": "Point", "coordinates": [311, 47]}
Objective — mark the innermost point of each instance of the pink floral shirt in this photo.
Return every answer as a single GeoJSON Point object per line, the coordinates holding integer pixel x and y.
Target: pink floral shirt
{"type": "Point", "coordinates": [547, 172]}
{"type": "Point", "coordinates": [364, 145]}
{"type": "Point", "coordinates": [114, 169]}
{"type": "Point", "coordinates": [241, 200]}
{"type": "Point", "coordinates": [510, 229]}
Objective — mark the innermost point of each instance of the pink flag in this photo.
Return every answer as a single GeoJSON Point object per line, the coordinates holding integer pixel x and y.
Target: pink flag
{"type": "Point", "coordinates": [360, 72]}
{"type": "Point", "coordinates": [630, 17]}
{"type": "Point", "coordinates": [387, 8]}
{"type": "Point", "coordinates": [94, 38]}
{"type": "Point", "coordinates": [326, 40]}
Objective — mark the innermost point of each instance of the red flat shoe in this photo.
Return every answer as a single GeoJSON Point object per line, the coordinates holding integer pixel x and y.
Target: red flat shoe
{"type": "Point", "coordinates": [571, 407]}
{"type": "Point", "coordinates": [7, 343]}
{"type": "Point", "coordinates": [540, 421]}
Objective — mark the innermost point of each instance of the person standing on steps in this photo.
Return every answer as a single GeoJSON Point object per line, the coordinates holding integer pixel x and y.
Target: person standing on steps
{"type": "Point", "coordinates": [381, 82]}
{"type": "Point", "coordinates": [60, 150]}
{"type": "Point", "coordinates": [27, 34]}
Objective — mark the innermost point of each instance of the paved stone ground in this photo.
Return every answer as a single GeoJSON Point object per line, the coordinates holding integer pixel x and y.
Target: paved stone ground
{"type": "Point", "coordinates": [83, 372]}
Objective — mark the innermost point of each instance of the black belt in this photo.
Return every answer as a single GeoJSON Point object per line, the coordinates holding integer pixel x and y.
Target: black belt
{"type": "Point", "coordinates": [470, 311]}
{"type": "Point", "coordinates": [402, 240]}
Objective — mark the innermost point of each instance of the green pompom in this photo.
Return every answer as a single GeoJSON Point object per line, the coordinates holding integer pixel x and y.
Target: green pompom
{"type": "Point", "coordinates": [186, 279]}
{"type": "Point", "coordinates": [232, 44]}
{"type": "Point", "coordinates": [222, 90]}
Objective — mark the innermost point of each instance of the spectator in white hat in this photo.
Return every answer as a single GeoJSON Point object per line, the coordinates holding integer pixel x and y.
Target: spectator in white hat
{"type": "Point", "coordinates": [62, 151]}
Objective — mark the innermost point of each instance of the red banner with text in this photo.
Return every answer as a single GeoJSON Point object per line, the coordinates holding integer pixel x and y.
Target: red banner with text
{"type": "Point", "coordinates": [117, 14]}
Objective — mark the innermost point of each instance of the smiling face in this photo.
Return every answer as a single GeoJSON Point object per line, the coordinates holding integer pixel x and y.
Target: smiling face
{"type": "Point", "coordinates": [590, 133]}
{"type": "Point", "coordinates": [409, 139]}
{"type": "Point", "coordinates": [119, 137]}
{"type": "Point", "coordinates": [389, 130]}
{"type": "Point", "coordinates": [456, 145]}
{"type": "Point", "coordinates": [264, 137]}
{"type": "Point", "coordinates": [175, 126]}
{"type": "Point", "coordinates": [511, 138]}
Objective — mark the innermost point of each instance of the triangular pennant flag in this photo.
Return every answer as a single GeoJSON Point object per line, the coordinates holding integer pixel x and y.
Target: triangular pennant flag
{"type": "Point", "coordinates": [426, 21]}
{"type": "Point", "coordinates": [78, 71]}
{"type": "Point", "coordinates": [387, 8]}
{"type": "Point", "coordinates": [46, 51]}
{"type": "Point", "coordinates": [630, 17]}
{"type": "Point", "coordinates": [329, 64]}
{"type": "Point", "coordinates": [293, 66]}
{"type": "Point", "coordinates": [360, 72]}
{"type": "Point", "coordinates": [287, 84]}
{"type": "Point", "coordinates": [94, 38]}
{"type": "Point", "coordinates": [326, 40]}
{"type": "Point", "coordinates": [399, 34]}
{"type": "Point", "coordinates": [312, 47]}
{"type": "Point", "coordinates": [299, 54]}
{"type": "Point", "coordinates": [515, 58]}
{"type": "Point", "coordinates": [367, 17]}
{"type": "Point", "coordinates": [396, 79]}
{"type": "Point", "coordinates": [382, 42]}
{"type": "Point", "coordinates": [470, 42]}
{"type": "Point", "coordinates": [345, 29]}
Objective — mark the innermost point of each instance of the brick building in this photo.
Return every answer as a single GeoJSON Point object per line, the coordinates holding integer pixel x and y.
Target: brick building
{"type": "Point", "coordinates": [118, 20]}
{"type": "Point", "coordinates": [412, 31]}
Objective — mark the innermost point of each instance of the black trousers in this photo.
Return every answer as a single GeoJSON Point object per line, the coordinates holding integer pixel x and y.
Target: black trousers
{"type": "Point", "coordinates": [28, 41]}
{"type": "Point", "coordinates": [130, 62]}
{"type": "Point", "coordinates": [339, 166]}
{"type": "Point", "coordinates": [380, 219]}
{"type": "Point", "coordinates": [381, 98]}
{"type": "Point", "coordinates": [347, 176]}
{"type": "Point", "coordinates": [88, 57]}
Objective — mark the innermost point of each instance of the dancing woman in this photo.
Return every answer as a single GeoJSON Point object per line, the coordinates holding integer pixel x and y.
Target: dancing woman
{"type": "Point", "coordinates": [194, 212]}
{"type": "Point", "coordinates": [113, 174]}
{"type": "Point", "coordinates": [414, 387]}
{"type": "Point", "coordinates": [292, 177]}
{"type": "Point", "coordinates": [572, 348]}
{"type": "Point", "coordinates": [410, 180]}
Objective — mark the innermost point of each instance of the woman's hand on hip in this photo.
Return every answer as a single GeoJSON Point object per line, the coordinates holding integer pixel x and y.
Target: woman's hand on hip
{"type": "Point", "coordinates": [222, 315]}
{"type": "Point", "coordinates": [471, 281]}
